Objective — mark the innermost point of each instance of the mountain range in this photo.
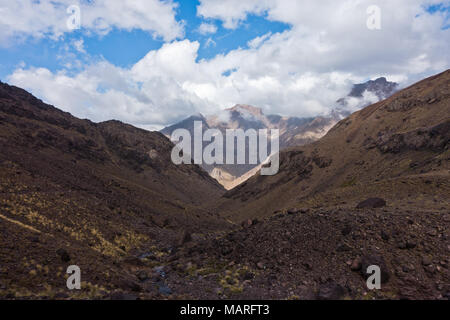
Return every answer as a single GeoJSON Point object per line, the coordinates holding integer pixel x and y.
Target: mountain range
{"type": "Point", "coordinates": [294, 131]}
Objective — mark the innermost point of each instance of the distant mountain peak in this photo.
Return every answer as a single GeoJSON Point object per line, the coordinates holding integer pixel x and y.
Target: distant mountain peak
{"type": "Point", "coordinates": [381, 87]}
{"type": "Point", "coordinates": [293, 131]}
{"type": "Point", "coordinates": [198, 116]}
{"type": "Point", "coordinates": [363, 95]}
{"type": "Point", "coordinates": [247, 108]}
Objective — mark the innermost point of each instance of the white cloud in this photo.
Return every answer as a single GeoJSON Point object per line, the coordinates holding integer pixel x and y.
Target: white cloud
{"type": "Point", "coordinates": [300, 72]}
{"type": "Point", "coordinates": [256, 42]}
{"type": "Point", "coordinates": [168, 84]}
{"type": "Point", "coordinates": [45, 18]}
{"type": "Point", "coordinates": [210, 43]}
{"type": "Point", "coordinates": [103, 91]}
{"type": "Point", "coordinates": [207, 28]}
{"type": "Point", "coordinates": [353, 104]}
{"type": "Point", "coordinates": [231, 12]}
{"type": "Point", "coordinates": [79, 45]}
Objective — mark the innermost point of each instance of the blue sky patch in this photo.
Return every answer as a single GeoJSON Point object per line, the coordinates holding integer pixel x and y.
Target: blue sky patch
{"type": "Point", "coordinates": [124, 48]}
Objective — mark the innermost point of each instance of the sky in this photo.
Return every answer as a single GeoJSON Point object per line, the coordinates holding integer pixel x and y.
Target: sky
{"type": "Point", "coordinates": [152, 63]}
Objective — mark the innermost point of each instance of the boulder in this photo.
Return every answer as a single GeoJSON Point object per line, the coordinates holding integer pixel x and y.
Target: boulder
{"type": "Point", "coordinates": [64, 255]}
{"type": "Point", "coordinates": [331, 291]}
{"type": "Point", "coordinates": [371, 203]}
{"type": "Point", "coordinates": [356, 264]}
{"type": "Point", "coordinates": [185, 238]}
{"type": "Point", "coordinates": [142, 276]}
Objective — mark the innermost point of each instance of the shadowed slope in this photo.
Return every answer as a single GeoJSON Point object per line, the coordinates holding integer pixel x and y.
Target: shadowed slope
{"type": "Point", "coordinates": [98, 191]}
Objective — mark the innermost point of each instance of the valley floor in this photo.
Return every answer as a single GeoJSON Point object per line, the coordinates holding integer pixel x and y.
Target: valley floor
{"type": "Point", "coordinates": [315, 251]}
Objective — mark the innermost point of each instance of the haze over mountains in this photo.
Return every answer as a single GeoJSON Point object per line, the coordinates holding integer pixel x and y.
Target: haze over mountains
{"type": "Point", "coordinates": [106, 197]}
{"type": "Point", "coordinates": [293, 131]}
{"type": "Point", "coordinates": [406, 134]}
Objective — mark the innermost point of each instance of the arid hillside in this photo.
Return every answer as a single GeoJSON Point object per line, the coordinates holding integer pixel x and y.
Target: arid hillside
{"type": "Point", "coordinates": [106, 197]}
{"type": "Point", "coordinates": [374, 191]}
{"type": "Point", "coordinates": [395, 149]}
{"type": "Point", "coordinates": [94, 191]}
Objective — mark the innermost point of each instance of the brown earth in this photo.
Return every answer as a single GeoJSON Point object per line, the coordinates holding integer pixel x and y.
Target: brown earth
{"type": "Point", "coordinates": [98, 191]}
{"type": "Point", "coordinates": [404, 136]}
{"type": "Point", "coordinates": [106, 197]}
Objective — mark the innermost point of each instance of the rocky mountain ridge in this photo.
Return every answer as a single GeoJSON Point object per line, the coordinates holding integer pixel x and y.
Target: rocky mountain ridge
{"type": "Point", "coordinates": [294, 131]}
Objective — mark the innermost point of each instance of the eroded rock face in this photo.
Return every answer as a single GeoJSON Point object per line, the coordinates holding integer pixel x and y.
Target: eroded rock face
{"type": "Point", "coordinates": [408, 101]}
{"type": "Point", "coordinates": [434, 138]}
{"type": "Point", "coordinates": [321, 161]}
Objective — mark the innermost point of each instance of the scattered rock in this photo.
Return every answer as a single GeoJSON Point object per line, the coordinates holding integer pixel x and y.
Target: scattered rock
{"type": "Point", "coordinates": [65, 257]}
{"type": "Point", "coordinates": [432, 233]}
{"type": "Point", "coordinates": [408, 268]}
{"type": "Point", "coordinates": [119, 295]}
{"type": "Point", "coordinates": [343, 248]}
{"type": "Point", "coordinates": [160, 272]}
{"type": "Point", "coordinates": [147, 255]}
{"type": "Point", "coordinates": [347, 230]}
{"type": "Point", "coordinates": [61, 296]}
{"type": "Point", "coordinates": [401, 245]}
{"type": "Point", "coordinates": [260, 265]}
{"type": "Point", "coordinates": [356, 264]}
{"type": "Point", "coordinates": [248, 276]}
{"type": "Point", "coordinates": [308, 266]}
{"type": "Point", "coordinates": [321, 162]}
{"type": "Point", "coordinates": [330, 291]}
{"type": "Point", "coordinates": [142, 276]}
{"type": "Point", "coordinates": [129, 285]}
{"type": "Point", "coordinates": [249, 223]}
{"type": "Point", "coordinates": [163, 289]}
{"type": "Point", "coordinates": [34, 239]}
{"type": "Point", "coordinates": [371, 203]}
{"type": "Point", "coordinates": [385, 236]}
{"type": "Point", "coordinates": [185, 238]}
{"type": "Point", "coordinates": [135, 261]}
{"type": "Point", "coordinates": [426, 261]}
{"type": "Point", "coordinates": [430, 270]}
{"type": "Point", "coordinates": [406, 244]}
{"type": "Point", "coordinates": [226, 251]}
{"type": "Point", "coordinates": [410, 244]}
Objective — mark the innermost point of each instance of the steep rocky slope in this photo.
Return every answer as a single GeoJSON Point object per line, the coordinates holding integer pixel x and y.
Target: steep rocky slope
{"type": "Point", "coordinates": [95, 191]}
{"type": "Point", "coordinates": [306, 233]}
{"type": "Point", "coordinates": [406, 135]}
{"type": "Point", "coordinates": [374, 191]}
{"type": "Point", "coordinates": [323, 254]}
